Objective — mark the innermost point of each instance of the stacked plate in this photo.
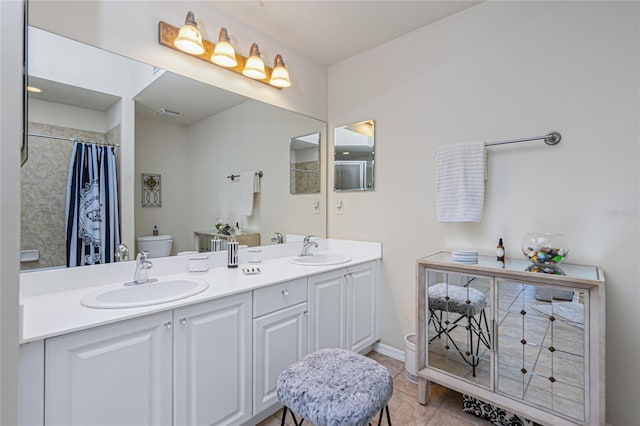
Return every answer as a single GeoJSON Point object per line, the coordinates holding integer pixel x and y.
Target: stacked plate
{"type": "Point", "coordinates": [465, 256]}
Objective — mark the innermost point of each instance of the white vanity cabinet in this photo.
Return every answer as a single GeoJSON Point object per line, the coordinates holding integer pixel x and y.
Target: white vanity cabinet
{"type": "Point", "coordinates": [279, 337]}
{"type": "Point", "coordinates": [185, 367]}
{"type": "Point", "coordinates": [343, 308]}
{"type": "Point", "coordinates": [118, 374]}
{"type": "Point", "coordinates": [529, 343]}
{"type": "Point", "coordinates": [212, 362]}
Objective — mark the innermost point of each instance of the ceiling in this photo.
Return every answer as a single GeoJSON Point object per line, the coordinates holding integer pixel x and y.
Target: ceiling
{"type": "Point", "coordinates": [53, 91]}
{"type": "Point", "coordinates": [331, 31]}
{"type": "Point", "coordinates": [195, 100]}
{"type": "Point", "coordinates": [326, 32]}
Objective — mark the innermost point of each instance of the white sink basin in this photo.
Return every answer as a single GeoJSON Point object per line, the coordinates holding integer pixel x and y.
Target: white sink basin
{"type": "Point", "coordinates": [321, 259]}
{"type": "Point", "coordinates": [154, 293]}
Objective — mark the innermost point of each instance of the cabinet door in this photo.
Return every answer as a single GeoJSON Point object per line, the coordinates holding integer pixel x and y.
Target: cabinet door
{"type": "Point", "coordinates": [327, 310]}
{"type": "Point", "coordinates": [361, 307]}
{"type": "Point", "coordinates": [213, 362]}
{"type": "Point", "coordinates": [541, 346]}
{"type": "Point", "coordinates": [117, 374]}
{"type": "Point", "coordinates": [460, 325]}
{"type": "Point", "coordinates": [279, 340]}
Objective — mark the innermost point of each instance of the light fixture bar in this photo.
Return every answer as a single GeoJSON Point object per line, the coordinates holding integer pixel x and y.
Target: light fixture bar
{"type": "Point", "coordinates": [167, 33]}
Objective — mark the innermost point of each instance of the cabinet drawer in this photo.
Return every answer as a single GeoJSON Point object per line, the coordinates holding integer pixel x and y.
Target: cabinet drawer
{"type": "Point", "coordinates": [279, 296]}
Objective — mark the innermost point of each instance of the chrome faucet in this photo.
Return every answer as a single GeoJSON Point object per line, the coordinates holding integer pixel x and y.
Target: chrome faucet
{"type": "Point", "coordinates": [277, 238]}
{"type": "Point", "coordinates": [122, 253]}
{"type": "Point", "coordinates": [143, 264]}
{"type": "Point", "coordinates": [306, 246]}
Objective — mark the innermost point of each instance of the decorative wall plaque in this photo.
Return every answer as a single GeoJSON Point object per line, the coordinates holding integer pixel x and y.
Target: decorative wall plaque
{"type": "Point", "coordinates": [151, 190]}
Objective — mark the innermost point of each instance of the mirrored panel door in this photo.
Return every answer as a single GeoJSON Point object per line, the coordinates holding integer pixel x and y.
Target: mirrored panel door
{"type": "Point", "coordinates": [541, 346]}
{"type": "Point", "coordinates": [460, 325]}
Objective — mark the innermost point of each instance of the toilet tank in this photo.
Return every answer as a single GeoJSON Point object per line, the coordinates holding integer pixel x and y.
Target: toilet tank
{"type": "Point", "coordinates": [156, 245]}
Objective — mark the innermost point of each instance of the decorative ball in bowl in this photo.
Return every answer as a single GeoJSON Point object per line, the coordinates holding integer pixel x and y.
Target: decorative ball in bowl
{"type": "Point", "coordinates": [545, 250]}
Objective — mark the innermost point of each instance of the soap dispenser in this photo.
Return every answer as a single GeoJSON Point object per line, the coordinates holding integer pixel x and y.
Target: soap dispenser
{"type": "Point", "coordinates": [232, 253]}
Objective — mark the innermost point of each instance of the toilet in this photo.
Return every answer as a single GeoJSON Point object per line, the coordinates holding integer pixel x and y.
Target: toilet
{"type": "Point", "coordinates": [156, 245]}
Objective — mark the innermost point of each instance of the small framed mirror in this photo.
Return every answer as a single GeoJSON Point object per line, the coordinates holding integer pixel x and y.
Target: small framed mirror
{"type": "Point", "coordinates": [304, 164]}
{"type": "Point", "coordinates": [354, 157]}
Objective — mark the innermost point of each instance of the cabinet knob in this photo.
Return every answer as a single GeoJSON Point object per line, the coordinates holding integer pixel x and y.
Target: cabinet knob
{"type": "Point", "coordinates": [285, 292]}
{"type": "Point", "coordinates": [167, 324]}
{"type": "Point", "coordinates": [306, 313]}
{"type": "Point", "coordinates": [183, 320]}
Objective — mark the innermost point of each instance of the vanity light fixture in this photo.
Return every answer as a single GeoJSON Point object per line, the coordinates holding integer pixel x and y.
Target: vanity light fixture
{"type": "Point", "coordinates": [280, 74]}
{"type": "Point", "coordinates": [189, 39]}
{"type": "Point", "coordinates": [254, 67]}
{"type": "Point", "coordinates": [224, 54]}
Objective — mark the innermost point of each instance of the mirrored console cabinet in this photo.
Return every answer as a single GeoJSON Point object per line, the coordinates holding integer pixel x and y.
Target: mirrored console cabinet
{"type": "Point", "coordinates": [529, 343]}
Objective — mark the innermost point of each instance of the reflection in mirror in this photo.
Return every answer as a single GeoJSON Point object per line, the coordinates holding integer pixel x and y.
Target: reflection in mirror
{"type": "Point", "coordinates": [354, 157]}
{"type": "Point", "coordinates": [93, 95]}
{"type": "Point", "coordinates": [458, 330]}
{"type": "Point", "coordinates": [304, 159]}
{"type": "Point", "coordinates": [541, 346]}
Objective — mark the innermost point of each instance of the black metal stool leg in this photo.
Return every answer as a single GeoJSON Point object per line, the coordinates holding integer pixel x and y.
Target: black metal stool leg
{"type": "Point", "coordinates": [293, 416]}
{"type": "Point", "coordinates": [388, 415]}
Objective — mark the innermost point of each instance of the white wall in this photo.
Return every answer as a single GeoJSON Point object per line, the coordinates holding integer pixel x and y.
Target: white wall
{"type": "Point", "coordinates": [11, 18]}
{"type": "Point", "coordinates": [67, 116]}
{"type": "Point", "coordinates": [162, 148]}
{"type": "Point", "coordinates": [503, 70]}
{"type": "Point", "coordinates": [252, 136]}
{"type": "Point", "coordinates": [130, 28]}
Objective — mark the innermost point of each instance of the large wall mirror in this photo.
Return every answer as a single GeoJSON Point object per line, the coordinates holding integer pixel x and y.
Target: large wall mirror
{"type": "Point", "coordinates": [190, 135]}
{"type": "Point", "coordinates": [353, 161]}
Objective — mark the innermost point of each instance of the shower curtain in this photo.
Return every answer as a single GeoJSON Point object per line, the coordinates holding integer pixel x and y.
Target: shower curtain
{"type": "Point", "coordinates": [93, 224]}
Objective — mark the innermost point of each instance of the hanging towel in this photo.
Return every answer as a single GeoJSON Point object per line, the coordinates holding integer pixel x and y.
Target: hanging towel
{"type": "Point", "coordinates": [460, 176]}
{"type": "Point", "coordinates": [256, 183]}
{"type": "Point", "coordinates": [247, 183]}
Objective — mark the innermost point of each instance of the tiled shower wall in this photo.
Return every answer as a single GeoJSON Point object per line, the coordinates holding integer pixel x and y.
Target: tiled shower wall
{"type": "Point", "coordinates": [44, 191]}
{"type": "Point", "coordinates": [308, 182]}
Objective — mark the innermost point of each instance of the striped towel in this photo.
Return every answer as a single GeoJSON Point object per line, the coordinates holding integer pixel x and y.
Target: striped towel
{"type": "Point", "coordinates": [460, 176]}
{"type": "Point", "coordinates": [247, 188]}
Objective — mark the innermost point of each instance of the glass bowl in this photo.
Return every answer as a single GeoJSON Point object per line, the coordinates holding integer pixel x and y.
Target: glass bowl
{"type": "Point", "coordinates": [545, 250]}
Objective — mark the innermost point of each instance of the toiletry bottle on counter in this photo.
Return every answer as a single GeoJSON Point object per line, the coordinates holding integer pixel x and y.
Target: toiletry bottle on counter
{"type": "Point", "coordinates": [500, 251]}
{"type": "Point", "coordinates": [232, 253]}
{"type": "Point", "coordinates": [155, 230]}
{"type": "Point", "coordinates": [216, 244]}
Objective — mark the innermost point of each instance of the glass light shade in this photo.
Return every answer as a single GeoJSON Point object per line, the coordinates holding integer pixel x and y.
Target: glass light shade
{"type": "Point", "coordinates": [254, 67]}
{"type": "Point", "coordinates": [224, 55]}
{"type": "Point", "coordinates": [280, 74]}
{"type": "Point", "coordinates": [189, 40]}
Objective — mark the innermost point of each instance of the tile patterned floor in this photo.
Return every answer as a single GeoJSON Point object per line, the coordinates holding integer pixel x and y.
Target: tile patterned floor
{"type": "Point", "coordinates": [444, 407]}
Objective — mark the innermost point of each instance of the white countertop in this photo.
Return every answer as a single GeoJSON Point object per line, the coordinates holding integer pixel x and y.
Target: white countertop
{"type": "Point", "coordinates": [57, 310]}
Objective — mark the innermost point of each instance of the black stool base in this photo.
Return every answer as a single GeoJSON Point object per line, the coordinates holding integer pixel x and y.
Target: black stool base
{"type": "Point", "coordinates": [295, 421]}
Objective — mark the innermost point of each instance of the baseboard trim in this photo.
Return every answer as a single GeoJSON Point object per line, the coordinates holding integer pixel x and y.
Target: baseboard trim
{"type": "Point", "coordinates": [389, 351]}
